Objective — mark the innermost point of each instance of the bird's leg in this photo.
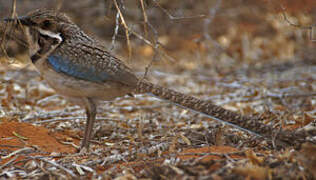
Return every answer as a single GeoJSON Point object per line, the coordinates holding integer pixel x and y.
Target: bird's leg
{"type": "Point", "coordinates": [91, 115]}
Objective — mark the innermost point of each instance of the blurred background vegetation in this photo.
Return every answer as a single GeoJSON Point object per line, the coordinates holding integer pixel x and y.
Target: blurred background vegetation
{"type": "Point", "coordinates": [194, 32]}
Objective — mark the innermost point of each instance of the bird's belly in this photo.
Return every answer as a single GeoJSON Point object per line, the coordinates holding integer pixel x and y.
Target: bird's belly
{"type": "Point", "coordinates": [78, 88]}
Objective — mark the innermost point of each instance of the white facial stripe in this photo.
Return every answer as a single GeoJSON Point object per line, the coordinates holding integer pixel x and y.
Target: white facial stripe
{"type": "Point", "coordinates": [50, 34]}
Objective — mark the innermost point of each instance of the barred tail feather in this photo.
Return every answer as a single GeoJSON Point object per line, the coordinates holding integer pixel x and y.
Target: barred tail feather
{"type": "Point", "coordinates": [250, 124]}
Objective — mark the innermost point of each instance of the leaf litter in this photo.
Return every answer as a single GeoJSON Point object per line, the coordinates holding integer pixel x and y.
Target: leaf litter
{"type": "Point", "coordinates": [143, 137]}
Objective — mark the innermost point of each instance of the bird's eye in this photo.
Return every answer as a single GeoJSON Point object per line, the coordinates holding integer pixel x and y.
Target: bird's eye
{"type": "Point", "coordinates": [46, 24]}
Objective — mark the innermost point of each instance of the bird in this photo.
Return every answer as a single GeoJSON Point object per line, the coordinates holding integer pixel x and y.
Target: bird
{"type": "Point", "coordinates": [80, 68]}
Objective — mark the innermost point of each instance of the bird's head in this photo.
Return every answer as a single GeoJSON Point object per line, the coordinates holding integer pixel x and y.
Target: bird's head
{"type": "Point", "coordinates": [45, 28]}
{"type": "Point", "coordinates": [47, 23]}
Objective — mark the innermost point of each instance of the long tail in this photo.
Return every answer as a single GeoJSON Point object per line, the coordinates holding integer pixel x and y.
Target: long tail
{"type": "Point", "coordinates": [251, 124]}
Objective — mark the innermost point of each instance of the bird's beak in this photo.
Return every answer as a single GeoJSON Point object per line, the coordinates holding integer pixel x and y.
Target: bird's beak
{"type": "Point", "coordinates": [24, 20]}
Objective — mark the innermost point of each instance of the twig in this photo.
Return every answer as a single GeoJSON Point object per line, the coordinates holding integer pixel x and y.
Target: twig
{"type": "Point", "coordinates": [79, 166]}
{"type": "Point", "coordinates": [62, 113]}
{"type": "Point", "coordinates": [208, 21]}
{"type": "Point", "coordinates": [10, 146]}
{"type": "Point", "coordinates": [9, 162]}
{"type": "Point", "coordinates": [177, 18]}
{"type": "Point", "coordinates": [155, 48]}
{"type": "Point", "coordinates": [59, 4]}
{"type": "Point", "coordinates": [13, 15]}
{"type": "Point", "coordinates": [48, 98]}
{"type": "Point", "coordinates": [158, 147]}
{"type": "Point", "coordinates": [72, 118]}
{"type": "Point", "coordinates": [17, 39]}
{"type": "Point", "coordinates": [129, 47]}
{"type": "Point", "coordinates": [59, 166]}
{"type": "Point", "coordinates": [298, 25]}
{"type": "Point", "coordinates": [292, 24]}
{"type": "Point", "coordinates": [240, 153]}
{"type": "Point", "coordinates": [54, 114]}
{"type": "Point", "coordinates": [17, 152]}
{"type": "Point", "coordinates": [211, 16]}
{"type": "Point", "coordinates": [114, 158]}
{"type": "Point", "coordinates": [115, 30]}
{"type": "Point", "coordinates": [145, 18]}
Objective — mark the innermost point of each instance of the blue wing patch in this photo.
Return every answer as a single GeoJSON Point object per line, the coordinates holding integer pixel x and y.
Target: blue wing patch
{"type": "Point", "coordinates": [78, 71]}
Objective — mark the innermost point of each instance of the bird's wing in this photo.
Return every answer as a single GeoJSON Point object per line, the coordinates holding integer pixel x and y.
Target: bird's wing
{"type": "Point", "coordinates": [92, 64]}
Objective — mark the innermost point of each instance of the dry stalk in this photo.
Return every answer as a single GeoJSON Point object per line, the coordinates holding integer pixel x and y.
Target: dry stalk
{"type": "Point", "coordinates": [129, 47]}
{"type": "Point", "coordinates": [171, 17]}
{"type": "Point", "coordinates": [145, 18]}
{"type": "Point", "coordinates": [13, 15]}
